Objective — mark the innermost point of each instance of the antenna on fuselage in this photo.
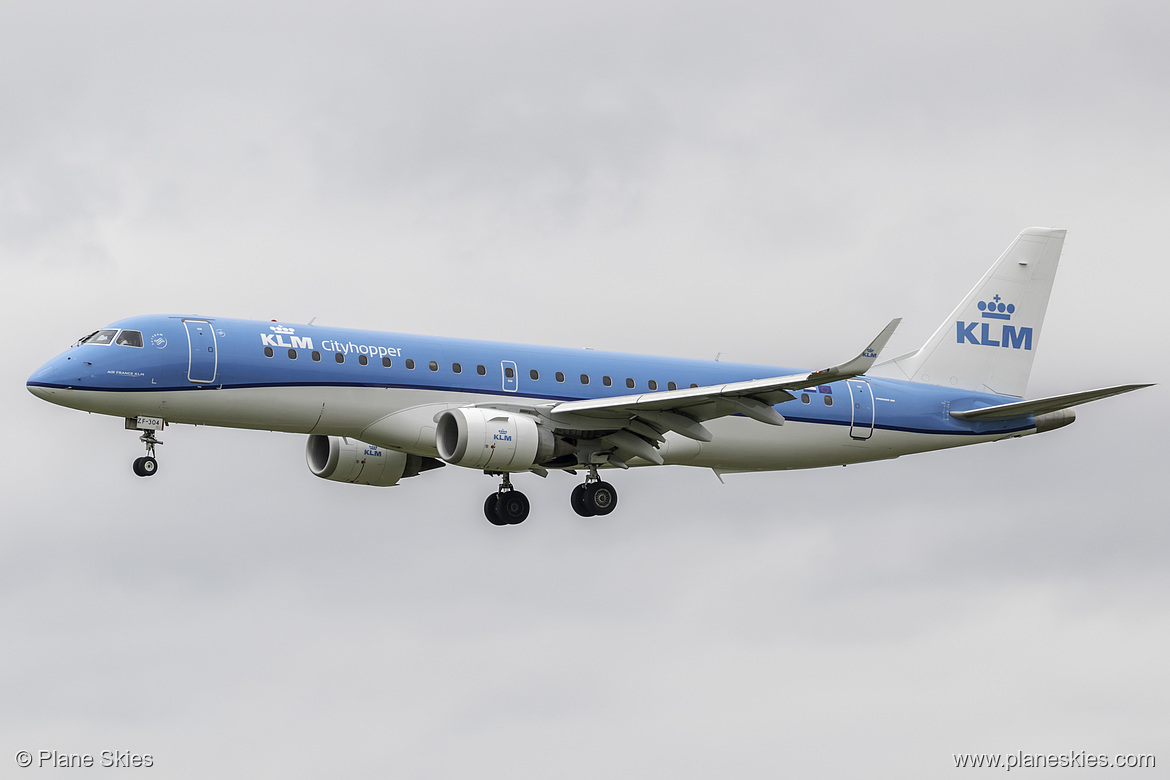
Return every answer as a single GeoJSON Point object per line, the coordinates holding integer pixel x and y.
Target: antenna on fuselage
{"type": "Point", "coordinates": [312, 320]}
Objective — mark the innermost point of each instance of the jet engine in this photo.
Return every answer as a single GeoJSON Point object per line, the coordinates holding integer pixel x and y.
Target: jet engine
{"type": "Point", "coordinates": [345, 460]}
{"type": "Point", "coordinates": [493, 440]}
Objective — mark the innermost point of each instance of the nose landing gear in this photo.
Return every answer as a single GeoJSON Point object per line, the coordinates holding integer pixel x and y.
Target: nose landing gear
{"type": "Point", "coordinates": [507, 506]}
{"type": "Point", "coordinates": [146, 466]}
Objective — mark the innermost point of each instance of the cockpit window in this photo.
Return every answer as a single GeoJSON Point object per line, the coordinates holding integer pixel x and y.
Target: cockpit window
{"type": "Point", "coordinates": [129, 338]}
{"type": "Point", "coordinates": [100, 337]}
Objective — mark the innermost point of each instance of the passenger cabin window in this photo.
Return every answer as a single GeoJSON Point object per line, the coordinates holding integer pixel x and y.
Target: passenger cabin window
{"type": "Point", "coordinates": [560, 376]}
{"type": "Point", "coordinates": [456, 368]}
{"type": "Point", "coordinates": [268, 352]}
{"type": "Point", "coordinates": [671, 386]}
{"type": "Point", "coordinates": [652, 385]}
{"type": "Point", "coordinates": [386, 362]}
{"type": "Point", "coordinates": [365, 361]}
{"type": "Point", "coordinates": [482, 371]}
{"type": "Point", "coordinates": [340, 358]}
{"type": "Point", "coordinates": [433, 366]}
{"type": "Point", "coordinates": [584, 379]}
{"type": "Point", "coordinates": [509, 372]}
{"type": "Point", "coordinates": [129, 338]}
{"type": "Point", "coordinates": [606, 381]}
{"type": "Point", "coordinates": [292, 354]}
{"type": "Point", "coordinates": [629, 382]}
{"type": "Point", "coordinates": [316, 356]}
{"type": "Point", "coordinates": [804, 398]}
{"type": "Point", "coordinates": [410, 363]}
{"type": "Point", "coordinates": [99, 337]}
{"type": "Point", "coordinates": [693, 384]}
{"type": "Point", "coordinates": [828, 400]}
{"type": "Point", "coordinates": [534, 374]}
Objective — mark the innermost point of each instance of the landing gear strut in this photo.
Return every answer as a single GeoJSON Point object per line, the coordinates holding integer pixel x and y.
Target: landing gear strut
{"type": "Point", "coordinates": [507, 506]}
{"type": "Point", "coordinates": [147, 466]}
{"type": "Point", "coordinates": [593, 497]}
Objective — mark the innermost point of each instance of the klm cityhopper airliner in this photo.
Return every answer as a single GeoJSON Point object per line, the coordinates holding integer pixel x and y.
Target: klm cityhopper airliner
{"type": "Point", "coordinates": [380, 407]}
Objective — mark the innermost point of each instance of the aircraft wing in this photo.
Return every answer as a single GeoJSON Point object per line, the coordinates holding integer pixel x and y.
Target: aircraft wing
{"type": "Point", "coordinates": [753, 398]}
{"type": "Point", "coordinates": [633, 425]}
{"type": "Point", "coordinates": [1042, 405]}
{"type": "Point", "coordinates": [648, 415]}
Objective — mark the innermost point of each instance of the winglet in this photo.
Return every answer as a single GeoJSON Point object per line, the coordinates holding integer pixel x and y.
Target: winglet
{"type": "Point", "coordinates": [863, 362]}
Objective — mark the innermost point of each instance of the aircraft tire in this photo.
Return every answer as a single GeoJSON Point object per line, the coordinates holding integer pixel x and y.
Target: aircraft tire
{"type": "Point", "coordinates": [580, 505]}
{"type": "Point", "coordinates": [490, 510]}
{"type": "Point", "coordinates": [513, 507]}
{"type": "Point", "coordinates": [601, 498]}
{"type": "Point", "coordinates": [149, 466]}
{"type": "Point", "coordinates": [138, 467]}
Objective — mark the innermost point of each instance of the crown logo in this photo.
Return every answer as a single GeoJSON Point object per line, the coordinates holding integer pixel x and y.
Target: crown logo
{"type": "Point", "coordinates": [281, 329]}
{"type": "Point", "coordinates": [995, 309]}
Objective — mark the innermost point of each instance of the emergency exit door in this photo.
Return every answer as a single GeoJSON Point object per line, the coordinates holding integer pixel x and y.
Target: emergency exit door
{"type": "Point", "coordinates": [511, 381]}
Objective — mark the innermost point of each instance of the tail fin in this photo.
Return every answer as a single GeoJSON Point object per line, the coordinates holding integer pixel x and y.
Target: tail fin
{"type": "Point", "coordinates": [989, 341]}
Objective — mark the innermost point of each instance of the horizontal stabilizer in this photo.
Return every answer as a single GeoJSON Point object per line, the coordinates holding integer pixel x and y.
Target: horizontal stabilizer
{"type": "Point", "coordinates": [1042, 405]}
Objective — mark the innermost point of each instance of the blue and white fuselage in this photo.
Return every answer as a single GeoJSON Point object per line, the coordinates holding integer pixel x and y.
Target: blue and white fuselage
{"type": "Point", "coordinates": [338, 382]}
{"type": "Point", "coordinates": [380, 406]}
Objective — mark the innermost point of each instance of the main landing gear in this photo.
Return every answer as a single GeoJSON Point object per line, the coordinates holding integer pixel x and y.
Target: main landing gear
{"type": "Point", "coordinates": [593, 497]}
{"type": "Point", "coordinates": [147, 466]}
{"type": "Point", "coordinates": [507, 506]}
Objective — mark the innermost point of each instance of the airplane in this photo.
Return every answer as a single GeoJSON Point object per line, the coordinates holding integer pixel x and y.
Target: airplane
{"type": "Point", "coordinates": [382, 407]}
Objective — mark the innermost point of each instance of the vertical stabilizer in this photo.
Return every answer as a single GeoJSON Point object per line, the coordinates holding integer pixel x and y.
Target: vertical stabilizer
{"type": "Point", "coordinates": [989, 341]}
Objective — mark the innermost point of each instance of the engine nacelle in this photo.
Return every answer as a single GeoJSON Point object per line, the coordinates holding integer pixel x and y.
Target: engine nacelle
{"type": "Point", "coordinates": [345, 460]}
{"type": "Point", "coordinates": [492, 440]}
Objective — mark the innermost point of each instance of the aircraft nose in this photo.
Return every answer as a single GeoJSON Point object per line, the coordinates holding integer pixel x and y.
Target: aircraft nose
{"type": "Point", "coordinates": [44, 393]}
{"type": "Point", "coordinates": [43, 380]}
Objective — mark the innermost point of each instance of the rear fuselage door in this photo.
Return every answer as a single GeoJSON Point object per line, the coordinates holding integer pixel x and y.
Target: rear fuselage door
{"type": "Point", "coordinates": [203, 356]}
{"type": "Point", "coordinates": [508, 369]}
{"type": "Point", "coordinates": [859, 391]}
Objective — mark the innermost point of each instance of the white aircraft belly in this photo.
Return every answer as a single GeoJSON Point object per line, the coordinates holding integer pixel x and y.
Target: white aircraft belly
{"type": "Point", "coordinates": [403, 419]}
{"type": "Point", "coordinates": [740, 444]}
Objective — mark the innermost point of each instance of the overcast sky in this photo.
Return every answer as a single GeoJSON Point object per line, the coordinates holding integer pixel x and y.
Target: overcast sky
{"type": "Point", "coordinates": [772, 182]}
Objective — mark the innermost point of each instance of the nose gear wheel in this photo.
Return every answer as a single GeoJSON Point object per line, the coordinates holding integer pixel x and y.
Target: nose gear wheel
{"type": "Point", "coordinates": [147, 466]}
